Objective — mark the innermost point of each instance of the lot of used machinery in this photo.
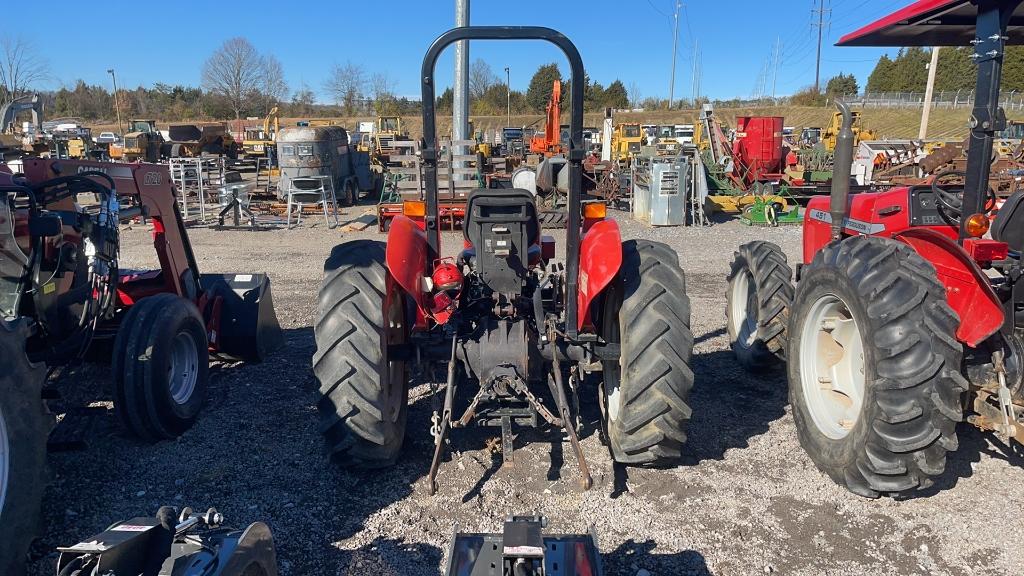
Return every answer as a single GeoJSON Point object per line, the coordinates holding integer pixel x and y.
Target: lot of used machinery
{"type": "Point", "coordinates": [904, 317]}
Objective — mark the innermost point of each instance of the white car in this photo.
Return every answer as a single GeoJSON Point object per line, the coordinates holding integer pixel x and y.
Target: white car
{"type": "Point", "coordinates": [107, 138]}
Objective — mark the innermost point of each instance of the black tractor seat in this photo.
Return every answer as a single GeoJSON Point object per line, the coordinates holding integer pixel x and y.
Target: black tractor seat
{"type": "Point", "coordinates": [1008, 225]}
{"type": "Point", "coordinates": [503, 231]}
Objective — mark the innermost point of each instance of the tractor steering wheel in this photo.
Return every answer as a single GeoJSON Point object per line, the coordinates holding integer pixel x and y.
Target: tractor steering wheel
{"type": "Point", "coordinates": [950, 203]}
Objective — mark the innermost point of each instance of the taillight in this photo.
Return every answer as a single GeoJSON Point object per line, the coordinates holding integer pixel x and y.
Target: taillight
{"type": "Point", "coordinates": [986, 250]}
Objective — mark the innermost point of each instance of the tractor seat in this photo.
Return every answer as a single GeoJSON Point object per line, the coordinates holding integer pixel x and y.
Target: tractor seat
{"type": "Point", "coordinates": [502, 205]}
{"type": "Point", "coordinates": [503, 233]}
{"type": "Point", "coordinates": [1008, 225]}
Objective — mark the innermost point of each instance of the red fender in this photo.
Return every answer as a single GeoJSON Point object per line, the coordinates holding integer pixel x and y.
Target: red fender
{"type": "Point", "coordinates": [968, 289]}
{"type": "Point", "coordinates": [406, 258]}
{"type": "Point", "coordinates": [600, 260]}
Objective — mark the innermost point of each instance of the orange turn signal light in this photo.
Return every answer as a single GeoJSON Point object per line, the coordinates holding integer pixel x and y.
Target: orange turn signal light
{"type": "Point", "coordinates": [414, 208]}
{"type": "Point", "coordinates": [977, 225]}
{"type": "Point", "coordinates": [594, 210]}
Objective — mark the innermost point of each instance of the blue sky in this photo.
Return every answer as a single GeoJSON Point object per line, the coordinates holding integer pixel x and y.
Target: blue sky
{"type": "Point", "coordinates": [626, 39]}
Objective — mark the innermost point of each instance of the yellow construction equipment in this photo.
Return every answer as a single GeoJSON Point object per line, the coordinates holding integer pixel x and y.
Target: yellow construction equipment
{"type": "Point", "coordinates": [829, 133]}
{"type": "Point", "coordinates": [626, 142]}
{"type": "Point", "coordinates": [257, 141]}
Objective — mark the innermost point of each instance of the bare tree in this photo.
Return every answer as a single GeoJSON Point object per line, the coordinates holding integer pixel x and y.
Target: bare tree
{"type": "Point", "coordinates": [382, 87]}
{"type": "Point", "coordinates": [235, 71]}
{"type": "Point", "coordinates": [20, 67]}
{"type": "Point", "coordinates": [481, 77]}
{"type": "Point", "coordinates": [346, 83]}
{"type": "Point", "coordinates": [634, 95]}
{"type": "Point", "coordinates": [275, 89]}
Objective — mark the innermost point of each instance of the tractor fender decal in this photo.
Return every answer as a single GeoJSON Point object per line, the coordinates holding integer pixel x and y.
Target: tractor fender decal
{"type": "Point", "coordinates": [968, 290]}
{"type": "Point", "coordinates": [406, 256]}
{"type": "Point", "coordinates": [600, 260]}
{"type": "Point", "coordinates": [859, 226]}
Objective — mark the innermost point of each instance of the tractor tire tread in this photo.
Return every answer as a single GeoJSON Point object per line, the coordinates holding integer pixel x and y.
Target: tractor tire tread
{"type": "Point", "coordinates": [773, 285]}
{"type": "Point", "coordinates": [915, 405]}
{"type": "Point", "coordinates": [349, 363]}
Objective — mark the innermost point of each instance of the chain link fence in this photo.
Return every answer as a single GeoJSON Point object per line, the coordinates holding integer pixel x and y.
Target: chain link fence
{"type": "Point", "coordinates": [948, 99]}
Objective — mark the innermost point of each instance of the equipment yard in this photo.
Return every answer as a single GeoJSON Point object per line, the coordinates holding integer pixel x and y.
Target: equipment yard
{"type": "Point", "coordinates": [746, 499]}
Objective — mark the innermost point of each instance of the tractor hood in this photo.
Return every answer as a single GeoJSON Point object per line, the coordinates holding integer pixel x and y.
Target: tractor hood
{"type": "Point", "coordinates": [931, 23]}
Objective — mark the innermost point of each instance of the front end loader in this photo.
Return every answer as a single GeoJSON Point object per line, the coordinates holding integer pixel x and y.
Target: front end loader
{"type": "Point", "coordinates": [514, 329]}
{"type": "Point", "coordinates": [908, 312]}
{"type": "Point", "coordinates": [63, 294]}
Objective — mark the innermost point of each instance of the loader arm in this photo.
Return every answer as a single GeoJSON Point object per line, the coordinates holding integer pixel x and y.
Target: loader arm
{"type": "Point", "coordinates": [150, 184]}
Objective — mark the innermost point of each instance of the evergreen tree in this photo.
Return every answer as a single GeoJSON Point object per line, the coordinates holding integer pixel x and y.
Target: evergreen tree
{"type": "Point", "coordinates": [841, 85]}
{"type": "Point", "coordinates": [615, 95]}
{"type": "Point", "coordinates": [880, 79]}
{"type": "Point", "coordinates": [539, 92]}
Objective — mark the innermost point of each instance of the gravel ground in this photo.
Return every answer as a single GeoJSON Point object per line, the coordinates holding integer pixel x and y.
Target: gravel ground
{"type": "Point", "coordinates": [746, 500]}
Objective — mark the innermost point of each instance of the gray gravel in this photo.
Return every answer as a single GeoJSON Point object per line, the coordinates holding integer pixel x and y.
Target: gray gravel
{"type": "Point", "coordinates": [746, 500]}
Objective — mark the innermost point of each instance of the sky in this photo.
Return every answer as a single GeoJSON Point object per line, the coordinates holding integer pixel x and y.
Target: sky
{"type": "Point", "coordinates": [626, 39]}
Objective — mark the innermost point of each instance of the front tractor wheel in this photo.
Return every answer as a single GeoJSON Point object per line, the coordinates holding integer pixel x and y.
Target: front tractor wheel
{"type": "Point", "coordinates": [758, 302]}
{"type": "Point", "coordinates": [161, 366]}
{"type": "Point", "coordinates": [363, 393]}
{"type": "Point", "coordinates": [873, 364]}
{"type": "Point", "coordinates": [647, 313]}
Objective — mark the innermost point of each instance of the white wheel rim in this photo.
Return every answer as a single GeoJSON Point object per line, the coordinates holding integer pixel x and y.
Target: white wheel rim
{"type": "Point", "coordinates": [5, 459]}
{"type": "Point", "coordinates": [183, 368]}
{"type": "Point", "coordinates": [832, 366]}
{"type": "Point", "coordinates": [743, 314]}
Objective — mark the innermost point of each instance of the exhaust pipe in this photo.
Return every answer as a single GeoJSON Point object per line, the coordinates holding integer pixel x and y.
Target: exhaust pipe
{"type": "Point", "coordinates": [842, 162]}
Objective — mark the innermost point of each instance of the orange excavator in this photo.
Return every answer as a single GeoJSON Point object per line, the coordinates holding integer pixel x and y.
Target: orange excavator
{"type": "Point", "coordinates": [549, 144]}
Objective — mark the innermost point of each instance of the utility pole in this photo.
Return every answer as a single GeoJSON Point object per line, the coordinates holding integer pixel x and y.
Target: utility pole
{"type": "Point", "coordinates": [695, 75]}
{"type": "Point", "coordinates": [460, 108]}
{"type": "Point", "coordinates": [775, 71]}
{"type": "Point", "coordinates": [817, 64]}
{"type": "Point", "coordinates": [508, 97]}
{"type": "Point", "coordinates": [117, 106]}
{"type": "Point", "coordinates": [675, 48]}
{"type": "Point", "coordinates": [927, 108]}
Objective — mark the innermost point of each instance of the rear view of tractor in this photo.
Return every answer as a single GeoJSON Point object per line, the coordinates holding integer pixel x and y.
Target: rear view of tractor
{"type": "Point", "coordinates": [62, 292]}
{"type": "Point", "coordinates": [515, 330]}
{"type": "Point", "coordinates": [908, 312]}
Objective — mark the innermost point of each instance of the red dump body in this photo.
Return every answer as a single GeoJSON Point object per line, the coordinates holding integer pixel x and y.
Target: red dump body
{"type": "Point", "coordinates": [757, 149]}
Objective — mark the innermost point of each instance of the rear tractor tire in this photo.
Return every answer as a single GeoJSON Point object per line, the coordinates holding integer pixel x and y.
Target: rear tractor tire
{"type": "Point", "coordinates": [759, 299]}
{"type": "Point", "coordinates": [647, 313]}
{"type": "Point", "coordinates": [161, 367]}
{"type": "Point", "coordinates": [363, 394]}
{"type": "Point", "coordinates": [25, 425]}
{"type": "Point", "coordinates": [874, 367]}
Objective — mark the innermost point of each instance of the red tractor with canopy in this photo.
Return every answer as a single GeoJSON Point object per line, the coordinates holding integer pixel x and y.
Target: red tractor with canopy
{"type": "Point", "coordinates": [908, 312]}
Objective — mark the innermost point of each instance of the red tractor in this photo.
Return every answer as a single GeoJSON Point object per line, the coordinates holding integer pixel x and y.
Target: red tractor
{"type": "Point", "coordinates": [908, 312]}
{"type": "Point", "coordinates": [62, 294]}
{"type": "Point", "coordinates": [517, 330]}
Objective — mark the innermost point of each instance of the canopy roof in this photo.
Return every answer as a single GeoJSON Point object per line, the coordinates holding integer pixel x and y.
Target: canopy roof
{"type": "Point", "coordinates": [931, 23]}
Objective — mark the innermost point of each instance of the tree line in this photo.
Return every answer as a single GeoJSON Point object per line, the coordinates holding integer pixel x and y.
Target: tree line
{"type": "Point", "coordinates": [908, 71]}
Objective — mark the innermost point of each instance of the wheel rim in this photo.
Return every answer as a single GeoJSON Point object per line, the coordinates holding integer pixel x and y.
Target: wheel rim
{"type": "Point", "coordinates": [183, 368]}
{"type": "Point", "coordinates": [832, 366]}
{"type": "Point", "coordinates": [394, 314]}
{"type": "Point", "coordinates": [743, 314]}
{"type": "Point", "coordinates": [5, 459]}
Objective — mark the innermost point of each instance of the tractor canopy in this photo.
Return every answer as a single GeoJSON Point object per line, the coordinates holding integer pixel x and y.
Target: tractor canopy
{"type": "Point", "coordinates": [934, 23]}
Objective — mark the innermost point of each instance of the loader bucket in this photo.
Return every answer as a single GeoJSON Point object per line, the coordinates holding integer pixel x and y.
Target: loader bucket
{"type": "Point", "coordinates": [248, 325]}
